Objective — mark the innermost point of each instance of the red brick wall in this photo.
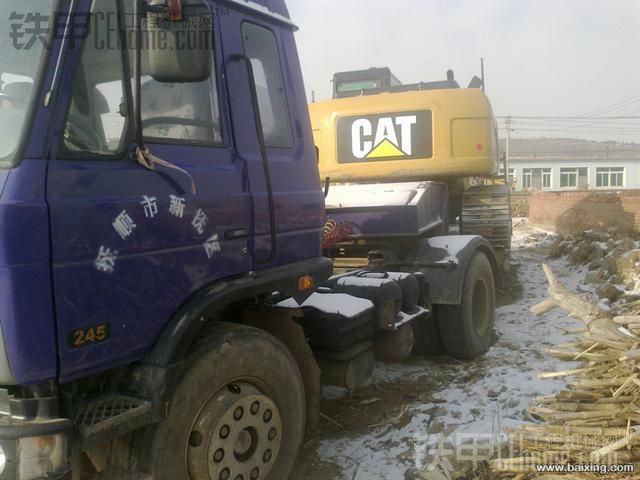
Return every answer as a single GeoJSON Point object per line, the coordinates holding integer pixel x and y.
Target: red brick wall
{"type": "Point", "coordinates": [576, 211]}
{"type": "Point", "coordinates": [520, 204]}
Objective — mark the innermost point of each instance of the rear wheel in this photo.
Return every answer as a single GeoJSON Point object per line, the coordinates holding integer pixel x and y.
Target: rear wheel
{"type": "Point", "coordinates": [467, 329]}
{"type": "Point", "coordinates": [238, 413]}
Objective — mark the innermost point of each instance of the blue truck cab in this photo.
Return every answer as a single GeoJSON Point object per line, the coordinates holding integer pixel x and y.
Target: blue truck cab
{"type": "Point", "coordinates": [166, 310]}
{"type": "Point", "coordinates": [106, 263]}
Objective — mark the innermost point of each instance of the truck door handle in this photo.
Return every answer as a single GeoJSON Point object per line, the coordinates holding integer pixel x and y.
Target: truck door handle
{"type": "Point", "coordinates": [236, 233]}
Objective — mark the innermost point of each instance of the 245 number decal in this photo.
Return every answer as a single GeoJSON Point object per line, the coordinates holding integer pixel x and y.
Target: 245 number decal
{"type": "Point", "coordinates": [85, 337]}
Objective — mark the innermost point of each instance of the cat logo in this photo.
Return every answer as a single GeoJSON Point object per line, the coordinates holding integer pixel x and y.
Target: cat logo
{"type": "Point", "coordinates": [385, 137]}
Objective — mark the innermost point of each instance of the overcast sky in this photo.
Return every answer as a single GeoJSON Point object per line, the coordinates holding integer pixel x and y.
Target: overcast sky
{"type": "Point", "coordinates": [542, 57]}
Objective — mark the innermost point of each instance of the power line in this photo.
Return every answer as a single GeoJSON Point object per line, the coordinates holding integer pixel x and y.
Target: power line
{"type": "Point", "coordinates": [612, 153]}
{"type": "Point", "coordinates": [599, 129]}
{"type": "Point", "coordinates": [625, 126]}
{"type": "Point", "coordinates": [632, 128]}
{"type": "Point", "coordinates": [573, 122]}
{"type": "Point", "coordinates": [615, 106]}
{"type": "Point", "coordinates": [535, 117]}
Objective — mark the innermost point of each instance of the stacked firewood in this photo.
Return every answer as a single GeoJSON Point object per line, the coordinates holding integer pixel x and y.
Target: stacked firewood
{"type": "Point", "coordinates": [596, 420]}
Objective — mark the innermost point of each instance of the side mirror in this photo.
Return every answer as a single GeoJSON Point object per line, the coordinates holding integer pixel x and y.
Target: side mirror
{"type": "Point", "coordinates": [178, 40]}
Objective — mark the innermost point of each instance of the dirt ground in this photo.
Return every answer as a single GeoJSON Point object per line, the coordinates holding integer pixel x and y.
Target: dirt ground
{"type": "Point", "coordinates": [411, 413]}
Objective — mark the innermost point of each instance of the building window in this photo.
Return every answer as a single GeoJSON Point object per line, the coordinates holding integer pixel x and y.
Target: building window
{"type": "Point", "coordinates": [574, 177]}
{"type": "Point", "coordinates": [546, 178]}
{"type": "Point", "coordinates": [536, 178]}
{"type": "Point", "coordinates": [610, 177]}
{"type": "Point", "coordinates": [527, 178]}
{"type": "Point", "coordinates": [512, 174]}
{"type": "Point", "coordinates": [583, 178]}
{"type": "Point", "coordinates": [568, 177]}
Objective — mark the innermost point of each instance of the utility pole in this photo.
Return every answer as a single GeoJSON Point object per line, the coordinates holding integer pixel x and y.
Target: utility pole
{"type": "Point", "coordinates": [507, 152]}
{"type": "Point", "coordinates": [313, 96]}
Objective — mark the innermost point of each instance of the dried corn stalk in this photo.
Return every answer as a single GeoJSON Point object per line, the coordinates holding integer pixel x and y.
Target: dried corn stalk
{"type": "Point", "coordinates": [597, 419]}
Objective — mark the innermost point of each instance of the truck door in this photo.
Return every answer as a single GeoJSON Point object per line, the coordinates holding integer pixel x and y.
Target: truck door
{"type": "Point", "coordinates": [281, 103]}
{"type": "Point", "coordinates": [130, 245]}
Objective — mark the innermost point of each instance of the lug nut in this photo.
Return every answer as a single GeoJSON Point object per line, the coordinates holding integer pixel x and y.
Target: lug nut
{"type": "Point", "coordinates": [224, 432]}
{"type": "Point", "coordinates": [267, 416]}
{"type": "Point", "coordinates": [272, 434]}
{"type": "Point", "coordinates": [225, 474]}
{"type": "Point", "coordinates": [267, 456]}
{"type": "Point", "coordinates": [255, 473]}
{"type": "Point", "coordinates": [238, 414]}
{"type": "Point", "coordinates": [255, 408]}
{"type": "Point", "coordinates": [218, 456]}
{"type": "Point", "coordinates": [239, 477]}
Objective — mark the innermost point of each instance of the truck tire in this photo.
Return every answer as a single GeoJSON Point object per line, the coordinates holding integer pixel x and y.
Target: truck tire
{"type": "Point", "coordinates": [237, 412]}
{"type": "Point", "coordinates": [467, 329]}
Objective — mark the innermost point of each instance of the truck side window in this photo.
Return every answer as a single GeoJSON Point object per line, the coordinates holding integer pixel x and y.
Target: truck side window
{"type": "Point", "coordinates": [179, 112]}
{"type": "Point", "coordinates": [187, 112]}
{"type": "Point", "coordinates": [96, 120]}
{"type": "Point", "coordinates": [261, 47]}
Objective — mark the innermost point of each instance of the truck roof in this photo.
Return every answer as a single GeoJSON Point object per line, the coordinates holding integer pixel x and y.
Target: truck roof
{"type": "Point", "coordinates": [278, 7]}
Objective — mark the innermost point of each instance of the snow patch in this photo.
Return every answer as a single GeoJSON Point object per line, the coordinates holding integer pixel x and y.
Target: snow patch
{"type": "Point", "coordinates": [332, 303]}
{"type": "Point", "coordinates": [375, 195]}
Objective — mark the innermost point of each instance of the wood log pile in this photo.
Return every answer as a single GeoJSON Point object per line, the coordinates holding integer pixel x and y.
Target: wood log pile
{"type": "Point", "coordinates": [596, 420]}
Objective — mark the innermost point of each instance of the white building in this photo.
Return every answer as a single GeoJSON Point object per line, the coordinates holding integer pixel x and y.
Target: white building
{"type": "Point", "coordinates": [587, 168]}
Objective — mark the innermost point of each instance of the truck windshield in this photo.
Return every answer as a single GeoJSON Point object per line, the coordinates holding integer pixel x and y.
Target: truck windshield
{"type": "Point", "coordinates": [24, 26]}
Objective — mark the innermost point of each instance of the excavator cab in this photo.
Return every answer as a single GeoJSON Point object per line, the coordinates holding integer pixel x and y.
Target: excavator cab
{"type": "Point", "coordinates": [379, 80]}
{"type": "Point", "coordinates": [348, 84]}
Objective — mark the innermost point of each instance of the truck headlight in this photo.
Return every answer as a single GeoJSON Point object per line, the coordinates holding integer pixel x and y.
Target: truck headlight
{"type": "Point", "coordinates": [39, 457]}
{"type": "Point", "coordinates": [3, 460]}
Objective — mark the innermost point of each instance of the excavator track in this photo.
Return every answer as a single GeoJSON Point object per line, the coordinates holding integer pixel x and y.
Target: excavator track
{"type": "Point", "coordinates": [486, 211]}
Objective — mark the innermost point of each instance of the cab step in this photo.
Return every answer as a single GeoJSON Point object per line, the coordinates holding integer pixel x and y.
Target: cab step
{"type": "Point", "coordinates": [109, 417]}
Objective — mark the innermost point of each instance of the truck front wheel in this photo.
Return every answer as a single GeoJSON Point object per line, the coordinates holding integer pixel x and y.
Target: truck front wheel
{"type": "Point", "coordinates": [238, 412]}
{"type": "Point", "coordinates": [467, 329]}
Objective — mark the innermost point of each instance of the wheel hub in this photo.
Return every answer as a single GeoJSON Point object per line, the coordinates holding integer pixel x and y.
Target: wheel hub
{"type": "Point", "coordinates": [241, 432]}
{"type": "Point", "coordinates": [244, 443]}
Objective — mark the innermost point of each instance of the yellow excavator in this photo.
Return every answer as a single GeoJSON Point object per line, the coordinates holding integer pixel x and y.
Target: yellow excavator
{"type": "Point", "coordinates": [376, 136]}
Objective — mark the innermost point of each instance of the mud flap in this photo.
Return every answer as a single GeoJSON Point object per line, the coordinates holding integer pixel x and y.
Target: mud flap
{"type": "Point", "coordinates": [444, 262]}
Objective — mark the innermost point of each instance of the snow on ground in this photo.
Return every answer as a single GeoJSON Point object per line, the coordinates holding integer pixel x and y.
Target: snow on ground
{"type": "Point", "coordinates": [396, 423]}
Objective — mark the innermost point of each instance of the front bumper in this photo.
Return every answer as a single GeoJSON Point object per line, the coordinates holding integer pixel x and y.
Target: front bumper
{"type": "Point", "coordinates": [34, 447]}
